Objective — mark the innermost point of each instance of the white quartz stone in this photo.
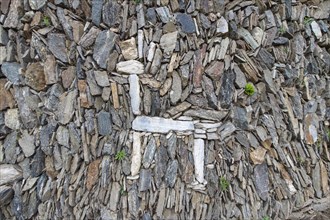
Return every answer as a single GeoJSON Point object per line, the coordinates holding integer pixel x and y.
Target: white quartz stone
{"type": "Point", "coordinates": [160, 125]}
{"type": "Point", "coordinates": [134, 92]}
{"type": "Point", "coordinates": [198, 153]}
{"type": "Point", "coordinates": [136, 154]}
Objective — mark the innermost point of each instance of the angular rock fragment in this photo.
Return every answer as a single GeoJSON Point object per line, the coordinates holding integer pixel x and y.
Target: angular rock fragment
{"type": "Point", "coordinates": [222, 26]}
{"type": "Point", "coordinates": [97, 12]}
{"type": "Point", "coordinates": [128, 48]}
{"type": "Point", "coordinates": [104, 45]}
{"type": "Point", "coordinates": [149, 152]}
{"type": "Point", "coordinates": [136, 154]}
{"type": "Point", "coordinates": [57, 46]}
{"type": "Point", "coordinates": [145, 180]}
{"type": "Point", "coordinates": [35, 76]}
{"type": "Point", "coordinates": [92, 174]}
{"type": "Point", "coordinates": [262, 181]}
{"type": "Point", "coordinates": [227, 89]}
{"type": "Point", "coordinates": [11, 119]}
{"type": "Point", "coordinates": [160, 125]}
{"type": "Point", "coordinates": [134, 91]}
{"type": "Point", "coordinates": [176, 91]}
{"type": "Point", "coordinates": [12, 71]}
{"type": "Point", "coordinates": [186, 22]}
{"type": "Point", "coordinates": [9, 173]}
{"type": "Point", "coordinates": [66, 107]}
{"type": "Point", "coordinates": [101, 78]}
{"type": "Point", "coordinates": [171, 173]}
{"type": "Point", "coordinates": [246, 35]}
{"type": "Point", "coordinates": [130, 67]}
{"type": "Point", "coordinates": [37, 4]}
{"type": "Point", "coordinates": [50, 70]}
{"type": "Point", "coordinates": [25, 107]}
{"type": "Point", "coordinates": [198, 153]}
{"type": "Point", "coordinates": [104, 123]}
{"type": "Point", "coordinates": [168, 42]}
{"type": "Point", "coordinates": [110, 13]}
{"type": "Point", "coordinates": [27, 144]}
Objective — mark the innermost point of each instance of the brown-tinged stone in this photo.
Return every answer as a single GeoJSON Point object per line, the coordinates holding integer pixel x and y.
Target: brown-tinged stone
{"type": "Point", "coordinates": [215, 69]}
{"type": "Point", "coordinates": [35, 76]}
{"type": "Point", "coordinates": [6, 98]}
{"type": "Point", "coordinates": [92, 174]}
{"type": "Point", "coordinates": [68, 76]}
{"type": "Point", "coordinates": [128, 49]}
{"type": "Point", "coordinates": [50, 70]}
{"type": "Point", "coordinates": [198, 66]}
{"type": "Point", "coordinates": [82, 87]}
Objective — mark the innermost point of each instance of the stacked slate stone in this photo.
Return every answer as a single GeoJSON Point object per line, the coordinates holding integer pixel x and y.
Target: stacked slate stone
{"type": "Point", "coordinates": [140, 109]}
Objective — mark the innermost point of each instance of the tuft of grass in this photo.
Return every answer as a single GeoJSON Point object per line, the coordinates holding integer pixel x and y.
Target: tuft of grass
{"type": "Point", "coordinates": [137, 1]}
{"type": "Point", "coordinates": [308, 20]}
{"type": "Point", "coordinates": [282, 30]}
{"type": "Point", "coordinates": [224, 184]}
{"type": "Point", "coordinates": [120, 155]}
{"type": "Point", "coordinates": [300, 160]}
{"type": "Point", "coordinates": [122, 191]}
{"type": "Point", "coordinates": [266, 218]}
{"type": "Point", "coordinates": [249, 89]}
{"type": "Point", "coordinates": [46, 21]}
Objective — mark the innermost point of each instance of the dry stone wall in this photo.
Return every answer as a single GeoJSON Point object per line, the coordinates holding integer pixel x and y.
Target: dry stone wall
{"type": "Point", "coordinates": [140, 109]}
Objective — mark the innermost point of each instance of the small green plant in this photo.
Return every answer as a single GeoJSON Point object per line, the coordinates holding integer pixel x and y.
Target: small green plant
{"type": "Point", "coordinates": [137, 1]}
{"type": "Point", "coordinates": [120, 155]}
{"type": "Point", "coordinates": [281, 30]}
{"type": "Point", "coordinates": [249, 89]}
{"type": "Point", "coordinates": [308, 20]}
{"type": "Point", "coordinates": [224, 184]}
{"type": "Point", "coordinates": [266, 218]}
{"type": "Point", "coordinates": [300, 160]}
{"type": "Point", "coordinates": [46, 21]}
{"type": "Point", "coordinates": [122, 191]}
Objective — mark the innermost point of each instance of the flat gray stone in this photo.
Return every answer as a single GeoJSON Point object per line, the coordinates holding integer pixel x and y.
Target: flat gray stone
{"type": "Point", "coordinates": [171, 173]}
{"type": "Point", "coordinates": [104, 123]}
{"type": "Point", "coordinates": [27, 143]}
{"type": "Point", "coordinates": [12, 72]}
{"type": "Point", "coordinates": [145, 180]}
{"type": "Point", "coordinates": [57, 46]}
{"type": "Point", "coordinates": [97, 11]}
{"type": "Point", "coordinates": [186, 22]}
{"type": "Point", "coordinates": [104, 45]}
{"type": "Point", "coordinates": [134, 92]}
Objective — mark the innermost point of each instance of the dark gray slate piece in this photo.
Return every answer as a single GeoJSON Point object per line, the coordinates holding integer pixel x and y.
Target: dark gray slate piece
{"type": "Point", "coordinates": [171, 172]}
{"type": "Point", "coordinates": [111, 13]}
{"type": "Point", "coordinates": [186, 22]}
{"type": "Point", "coordinates": [171, 146]}
{"type": "Point", "coordinates": [104, 45]}
{"type": "Point", "coordinates": [161, 159]}
{"type": "Point", "coordinates": [11, 71]}
{"type": "Point", "coordinates": [149, 153]}
{"type": "Point", "coordinates": [227, 89]}
{"type": "Point", "coordinates": [96, 11]}
{"type": "Point", "coordinates": [261, 180]}
{"type": "Point", "coordinates": [104, 123]}
{"type": "Point", "coordinates": [57, 46]}
{"type": "Point", "coordinates": [240, 118]}
{"type": "Point", "coordinates": [151, 15]}
{"type": "Point", "coordinates": [266, 58]}
{"type": "Point", "coordinates": [145, 180]}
